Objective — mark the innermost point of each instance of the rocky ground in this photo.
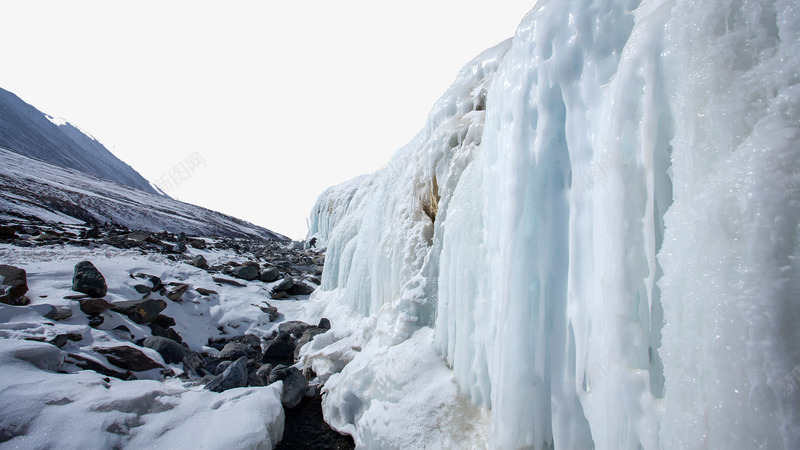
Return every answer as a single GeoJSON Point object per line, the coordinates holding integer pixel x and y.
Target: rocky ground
{"type": "Point", "coordinates": [158, 333]}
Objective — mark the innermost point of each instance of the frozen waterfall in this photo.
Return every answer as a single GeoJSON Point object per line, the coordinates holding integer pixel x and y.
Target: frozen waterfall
{"type": "Point", "coordinates": [595, 240]}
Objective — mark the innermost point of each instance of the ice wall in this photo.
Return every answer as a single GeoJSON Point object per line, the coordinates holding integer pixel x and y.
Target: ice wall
{"type": "Point", "coordinates": [608, 254]}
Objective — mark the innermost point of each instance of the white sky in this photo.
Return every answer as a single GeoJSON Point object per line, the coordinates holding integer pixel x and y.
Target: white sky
{"type": "Point", "coordinates": [280, 99]}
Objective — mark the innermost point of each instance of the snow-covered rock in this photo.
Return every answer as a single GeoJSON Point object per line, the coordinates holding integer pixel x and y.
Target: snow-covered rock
{"type": "Point", "coordinates": [597, 232]}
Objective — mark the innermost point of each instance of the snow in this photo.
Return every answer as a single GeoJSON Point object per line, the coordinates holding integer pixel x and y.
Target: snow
{"type": "Point", "coordinates": [41, 408]}
{"type": "Point", "coordinates": [604, 255]}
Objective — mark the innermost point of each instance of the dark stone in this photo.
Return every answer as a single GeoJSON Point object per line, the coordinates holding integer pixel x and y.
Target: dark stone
{"type": "Point", "coordinates": [269, 310]}
{"type": "Point", "coordinates": [91, 233]}
{"type": "Point", "coordinates": [168, 333]}
{"type": "Point", "coordinates": [264, 371]}
{"type": "Point", "coordinates": [204, 292]}
{"type": "Point", "coordinates": [222, 366]}
{"type": "Point", "coordinates": [200, 262]}
{"type": "Point", "coordinates": [254, 380]}
{"type": "Point", "coordinates": [177, 292]}
{"type": "Point", "coordinates": [197, 243]}
{"type": "Point", "coordinates": [171, 351]}
{"type": "Point", "coordinates": [164, 321]}
{"type": "Point", "coordinates": [294, 327]}
{"type": "Point", "coordinates": [143, 288]}
{"type": "Point", "coordinates": [88, 280]}
{"type": "Point", "coordinates": [76, 297]}
{"type": "Point", "coordinates": [278, 351]}
{"type": "Point", "coordinates": [89, 364]}
{"type": "Point", "coordinates": [59, 313]}
{"type": "Point", "coordinates": [7, 232]}
{"type": "Point", "coordinates": [305, 427]}
{"type": "Point", "coordinates": [307, 337]}
{"type": "Point", "coordinates": [96, 321]}
{"type": "Point", "coordinates": [222, 280]}
{"type": "Point", "coordinates": [129, 358]}
{"type": "Point", "coordinates": [269, 274]}
{"type": "Point", "coordinates": [283, 285]}
{"type": "Point", "coordinates": [94, 306]}
{"type": "Point", "coordinates": [300, 288]}
{"type": "Point", "coordinates": [61, 340]}
{"type": "Point", "coordinates": [295, 384]}
{"type": "Point", "coordinates": [14, 284]}
{"type": "Point", "coordinates": [146, 311]}
{"type": "Point", "coordinates": [233, 351]}
{"type": "Point", "coordinates": [180, 247]}
{"type": "Point", "coordinates": [234, 376]}
{"type": "Point", "coordinates": [247, 271]}
{"type": "Point", "coordinates": [324, 323]}
{"type": "Point", "coordinates": [192, 362]}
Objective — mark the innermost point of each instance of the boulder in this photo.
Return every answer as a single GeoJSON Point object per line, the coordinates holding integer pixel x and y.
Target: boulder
{"type": "Point", "coordinates": [222, 366]}
{"type": "Point", "coordinates": [145, 311]}
{"type": "Point", "coordinates": [129, 358]}
{"type": "Point", "coordinates": [228, 281]}
{"type": "Point", "coordinates": [247, 271]}
{"type": "Point", "coordinates": [264, 371]}
{"type": "Point", "coordinates": [307, 337]}
{"type": "Point", "coordinates": [269, 274]}
{"type": "Point", "coordinates": [59, 313]}
{"type": "Point", "coordinates": [324, 323]}
{"type": "Point", "coordinates": [200, 262]}
{"type": "Point", "coordinates": [300, 287]}
{"type": "Point", "coordinates": [14, 284]}
{"type": "Point", "coordinates": [176, 292]}
{"type": "Point", "coordinates": [143, 288]}
{"type": "Point", "coordinates": [295, 384]}
{"type": "Point", "coordinates": [233, 351]}
{"type": "Point", "coordinates": [7, 232]}
{"type": "Point", "coordinates": [204, 291]}
{"type": "Point", "coordinates": [171, 351]}
{"type": "Point", "coordinates": [94, 306]}
{"type": "Point", "coordinates": [168, 333]}
{"type": "Point", "coordinates": [294, 328]}
{"type": "Point", "coordinates": [283, 285]}
{"type": "Point", "coordinates": [88, 280]}
{"type": "Point", "coordinates": [278, 351]}
{"type": "Point", "coordinates": [197, 243]}
{"type": "Point", "coordinates": [233, 376]}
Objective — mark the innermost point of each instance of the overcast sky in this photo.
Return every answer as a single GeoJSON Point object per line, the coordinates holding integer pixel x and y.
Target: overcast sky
{"type": "Point", "coordinates": [279, 99]}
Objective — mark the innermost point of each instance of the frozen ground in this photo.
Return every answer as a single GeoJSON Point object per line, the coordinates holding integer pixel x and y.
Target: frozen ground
{"type": "Point", "coordinates": [46, 401]}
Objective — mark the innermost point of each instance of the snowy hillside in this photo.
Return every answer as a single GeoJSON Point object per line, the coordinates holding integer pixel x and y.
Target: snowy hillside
{"type": "Point", "coordinates": [594, 240]}
{"type": "Point", "coordinates": [26, 130]}
{"type": "Point", "coordinates": [33, 188]}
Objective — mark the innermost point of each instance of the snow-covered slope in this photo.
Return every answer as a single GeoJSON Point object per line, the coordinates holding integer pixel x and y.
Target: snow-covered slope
{"type": "Point", "coordinates": [30, 187]}
{"type": "Point", "coordinates": [26, 130]}
{"type": "Point", "coordinates": [597, 231]}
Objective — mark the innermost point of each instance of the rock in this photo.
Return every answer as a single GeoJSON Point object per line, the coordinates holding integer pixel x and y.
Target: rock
{"type": "Point", "coordinates": [143, 288]}
{"type": "Point", "coordinates": [205, 292]}
{"type": "Point", "coordinates": [14, 284]}
{"type": "Point", "coordinates": [284, 285]}
{"type": "Point", "coordinates": [88, 280]}
{"type": "Point", "coordinates": [168, 333]}
{"type": "Point", "coordinates": [234, 376]}
{"type": "Point", "coordinates": [91, 233]}
{"type": "Point", "coordinates": [247, 271]}
{"type": "Point", "coordinates": [324, 323]}
{"type": "Point", "coordinates": [129, 358]}
{"type": "Point", "coordinates": [200, 262]}
{"type": "Point", "coordinates": [146, 311]}
{"type": "Point", "coordinates": [254, 380]}
{"type": "Point", "coordinates": [222, 366]}
{"type": "Point", "coordinates": [197, 243]}
{"type": "Point", "coordinates": [94, 306]}
{"type": "Point", "coordinates": [233, 351]}
{"type": "Point", "coordinates": [278, 295]}
{"type": "Point", "coordinates": [7, 232]}
{"type": "Point", "coordinates": [171, 351]}
{"type": "Point", "coordinates": [300, 288]}
{"type": "Point", "coordinates": [269, 274]}
{"type": "Point", "coordinates": [278, 351]}
{"type": "Point", "coordinates": [96, 321]}
{"type": "Point", "coordinates": [222, 280]}
{"type": "Point", "coordinates": [177, 292]}
{"type": "Point", "coordinates": [180, 247]}
{"type": "Point", "coordinates": [76, 297]}
{"type": "Point", "coordinates": [61, 339]}
{"type": "Point", "coordinates": [163, 321]}
{"type": "Point", "coordinates": [294, 384]}
{"type": "Point", "coordinates": [269, 310]}
{"type": "Point", "coordinates": [293, 327]}
{"type": "Point", "coordinates": [307, 337]}
{"type": "Point", "coordinates": [59, 313]}
{"type": "Point", "coordinates": [192, 362]}
{"type": "Point", "coordinates": [264, 371]}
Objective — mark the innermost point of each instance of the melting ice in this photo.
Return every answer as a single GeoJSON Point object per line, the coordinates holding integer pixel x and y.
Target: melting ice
{"type": "Point", "coordinates": [594, 241]}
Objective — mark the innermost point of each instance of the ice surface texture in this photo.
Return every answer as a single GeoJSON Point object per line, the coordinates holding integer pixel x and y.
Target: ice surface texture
{"type": "Point", "coordinates": [608, 253]}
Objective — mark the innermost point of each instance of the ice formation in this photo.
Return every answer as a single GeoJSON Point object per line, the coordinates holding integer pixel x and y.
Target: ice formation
{"type": "Point", "coordinates": [599, 224]}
